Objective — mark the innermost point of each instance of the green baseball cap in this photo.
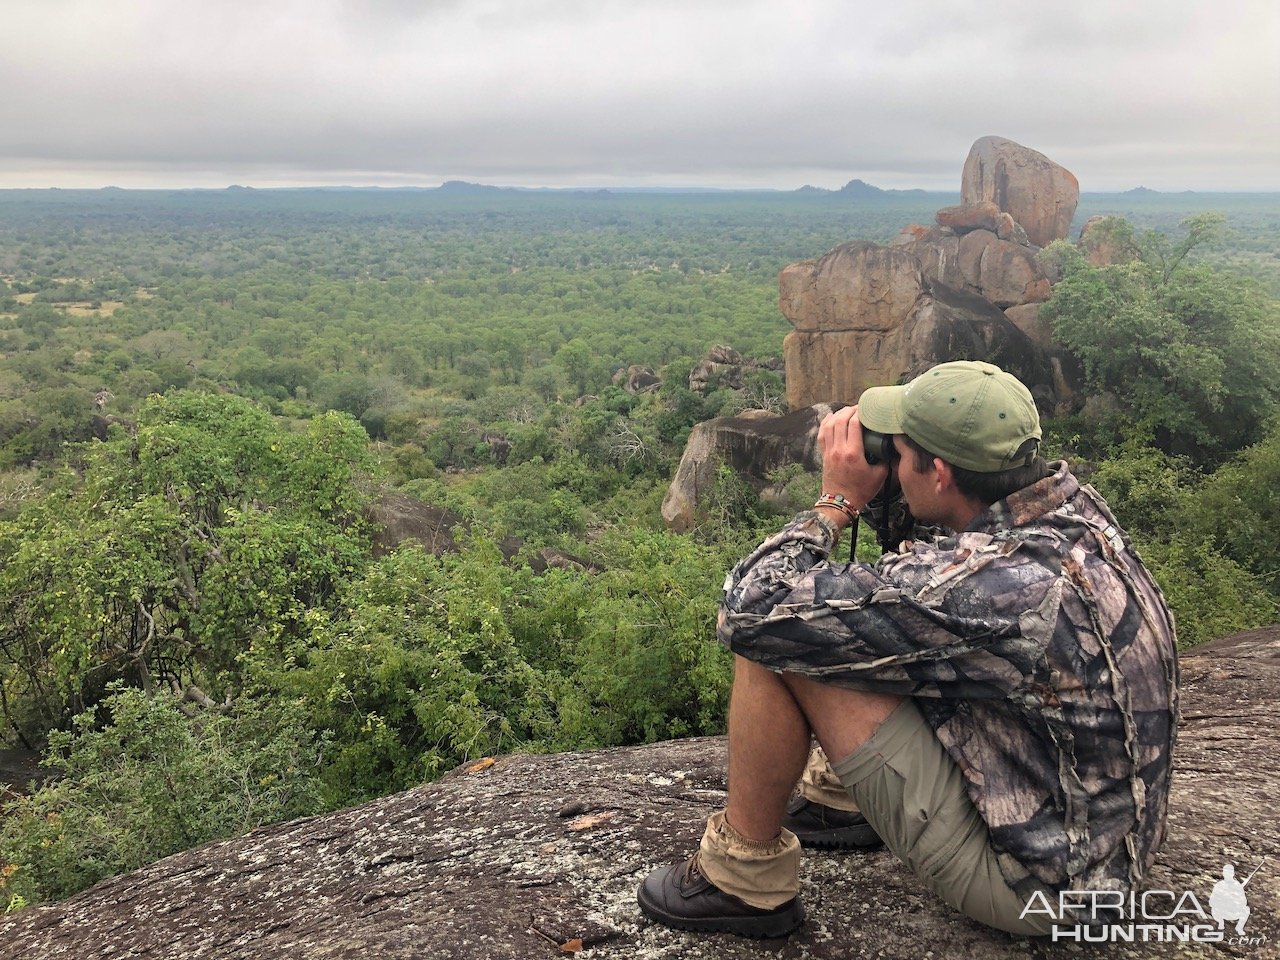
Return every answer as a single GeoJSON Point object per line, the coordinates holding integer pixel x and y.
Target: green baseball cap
{"type": "Point", "coordinates": [969, 413]}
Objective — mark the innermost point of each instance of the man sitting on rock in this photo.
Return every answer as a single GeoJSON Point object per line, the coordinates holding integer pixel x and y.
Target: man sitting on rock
{"type": "Point", "coordinates": [999, 704]}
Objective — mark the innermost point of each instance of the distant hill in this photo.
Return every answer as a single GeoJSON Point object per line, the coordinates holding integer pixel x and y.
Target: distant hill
{"type": "Point", "coordinates": [1146, 193]}
{"type": "Point", "coordinates": [861, 190]}
{"type": "Point", "coordinates": [464, 187]}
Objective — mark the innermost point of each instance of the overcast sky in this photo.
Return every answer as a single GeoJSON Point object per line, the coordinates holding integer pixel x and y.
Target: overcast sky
{"type": "Point", "coordinates": [1170, 94]}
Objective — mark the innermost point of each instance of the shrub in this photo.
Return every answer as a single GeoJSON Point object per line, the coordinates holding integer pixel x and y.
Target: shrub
{"type": "Point", "coordinates": [645, 663]}
{"type": "Point", "coordinates": [1238, 509]}
{"type": "Point", "coordinates": [150, 782]}
{"type": "Point", "coordinates": [416, 672]}
{"type": "Point", "coordinates": [1210, 594]}
{"type": "Point", "coordinates": [1190, 355]}
{"type": "Point", "coordinates": [1178, 529]}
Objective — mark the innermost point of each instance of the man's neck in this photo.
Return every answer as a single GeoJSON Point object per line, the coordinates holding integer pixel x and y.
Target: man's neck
{"type": "Point", "coordinates": [963, 512]}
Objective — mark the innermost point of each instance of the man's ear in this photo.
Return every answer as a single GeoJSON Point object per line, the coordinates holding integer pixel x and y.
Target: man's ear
{"type": "Point", "coordinates": [943, 477]}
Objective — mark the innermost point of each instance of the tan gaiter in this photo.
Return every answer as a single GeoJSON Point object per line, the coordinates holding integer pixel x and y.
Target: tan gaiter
{"type": "Point", "coordinates": [820, 784]}
{"type": "Point", "coordinates": [764, 875]}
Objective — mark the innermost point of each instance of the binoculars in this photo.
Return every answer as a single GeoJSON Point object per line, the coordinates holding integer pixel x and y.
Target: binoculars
{"type": "Point", "coordinates": [878, 447]}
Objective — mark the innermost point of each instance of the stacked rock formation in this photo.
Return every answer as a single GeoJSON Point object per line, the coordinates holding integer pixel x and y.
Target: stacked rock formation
{"type": "Point", "coordinates": [968, 286]}
{"type": "Point", "coordinates": [724, 366]}
{"type": "Point", "coordinates": [1037, 193]}
{"type": "Point", "coordinates": [637, 379]}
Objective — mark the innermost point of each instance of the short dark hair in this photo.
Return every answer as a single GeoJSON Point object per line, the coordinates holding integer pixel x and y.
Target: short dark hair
{"type": "Point", "coordinates": [985, 487]}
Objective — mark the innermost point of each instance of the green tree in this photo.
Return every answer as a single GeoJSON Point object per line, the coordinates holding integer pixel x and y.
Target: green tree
{"type": "Point", "coordinates": [416, 671]}
{"type": "Point", "coordinates": [1192, 356]}
{"type": "Point", "coordinates": [209, 531]}
{"type": "Point", "coordinates": [1238, 509]}
{"type": "Point", "coordinates": [575, 360]}
{"type": "Point", "coordinates": [1165, 255]}
{"type": "Point", "coordinates": [647, 665]}
{"type": "Point", "coordinates": [154, 779]}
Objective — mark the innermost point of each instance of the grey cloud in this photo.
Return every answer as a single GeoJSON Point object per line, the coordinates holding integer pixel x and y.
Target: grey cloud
{"type": "Point", "coordinates": [679, 90]}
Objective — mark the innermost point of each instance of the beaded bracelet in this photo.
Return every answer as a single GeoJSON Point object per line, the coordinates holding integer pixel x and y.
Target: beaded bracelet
{"type": "Point", "coordinates": [842, 504]}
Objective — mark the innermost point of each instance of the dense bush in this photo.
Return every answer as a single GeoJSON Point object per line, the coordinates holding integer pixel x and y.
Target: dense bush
{"type": "Point", "coordinates": [1210, 594]}
{"type": "Point", "coordinates": [173, 549]}
{"type": "Point", "coordinates": [1189, 355]}
{"type": "Point", "coordinates": [415, 671]}
{"type": "Point", "coordinates": [1204, 558]}
{"type": "Point", "coordinates": [429, 661]}
{"type": "Point", "coordinates": [1238, 510]}
{"type": "Point", "coordinates": [139, 779]}
{"type": "Point", "coordinates": [642, 653]}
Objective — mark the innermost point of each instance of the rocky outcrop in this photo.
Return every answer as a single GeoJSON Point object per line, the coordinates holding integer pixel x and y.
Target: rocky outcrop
{"type": "Point", "coordinates": [20, 772]}
{"type": "Point", "coordinates": [637, 379]}
{"type": "Point", "coordinates": [981, 216]}
{"type": "Point", "coordinates": [539, 856]}
{"type": "Point", "coordinates": [1026, 317]}
{"type": "Point", "coordinates": [857, 286]}
{"type": "Point", "coordinates": [973, 216]}
{"type": "Point", "coordinates": [724, 366]}
{"type": "Point", "coordinates": [953, 323]}
{"type": "Point", "coordinates": [866, 314]}
{"type": "Point", "coordinates": [1037, 193]}
{"type": "Point", "coordinates": [943, 322]}
{"type": "Point", "coordinates": [753, 446]}
{"type": "Point", "coordinates": [397, 518]}
{"type": "Point", "coordinates": [914, 231]}
{"type": "Point", "coordinates": [1004, 272]}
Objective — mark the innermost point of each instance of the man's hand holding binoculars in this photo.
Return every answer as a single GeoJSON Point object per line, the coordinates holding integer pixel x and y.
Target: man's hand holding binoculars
{"type": "Point", "coordinates": [850, 480]}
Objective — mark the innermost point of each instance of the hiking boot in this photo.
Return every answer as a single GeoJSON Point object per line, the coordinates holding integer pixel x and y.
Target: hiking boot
{"type": "Point", "coordinates": [681, 897]}
{"type": "Point", "coordinates": [817, 825]}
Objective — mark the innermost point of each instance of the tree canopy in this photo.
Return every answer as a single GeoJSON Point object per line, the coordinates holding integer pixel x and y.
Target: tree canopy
{"type": "Point", "coordinates": [1190, 355]}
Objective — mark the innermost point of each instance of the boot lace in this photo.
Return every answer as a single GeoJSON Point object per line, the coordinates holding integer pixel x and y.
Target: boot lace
{"type": "Point", "coordinates": [693, 869]}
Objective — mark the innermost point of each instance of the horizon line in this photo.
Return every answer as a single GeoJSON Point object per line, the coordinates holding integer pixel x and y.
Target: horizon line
{"type": "Point", "coordinates": [460, 186]}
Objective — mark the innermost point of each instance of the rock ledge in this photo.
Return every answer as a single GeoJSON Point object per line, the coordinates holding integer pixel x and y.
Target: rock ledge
{"type": "Point", "coordinates": [539, 856]}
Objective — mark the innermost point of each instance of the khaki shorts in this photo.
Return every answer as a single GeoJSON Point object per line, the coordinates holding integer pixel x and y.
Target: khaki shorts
{"type": "Point", "coordinates": [909, 789]}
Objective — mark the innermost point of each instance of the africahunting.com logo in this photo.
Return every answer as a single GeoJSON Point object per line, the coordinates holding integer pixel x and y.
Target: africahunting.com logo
{"type": "Point", "coordinates": [1159, 916]}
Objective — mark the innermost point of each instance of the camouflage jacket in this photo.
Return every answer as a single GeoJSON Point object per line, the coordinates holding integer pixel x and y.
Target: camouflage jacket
{"type": "Point", "coordinates": [1035, 643]}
